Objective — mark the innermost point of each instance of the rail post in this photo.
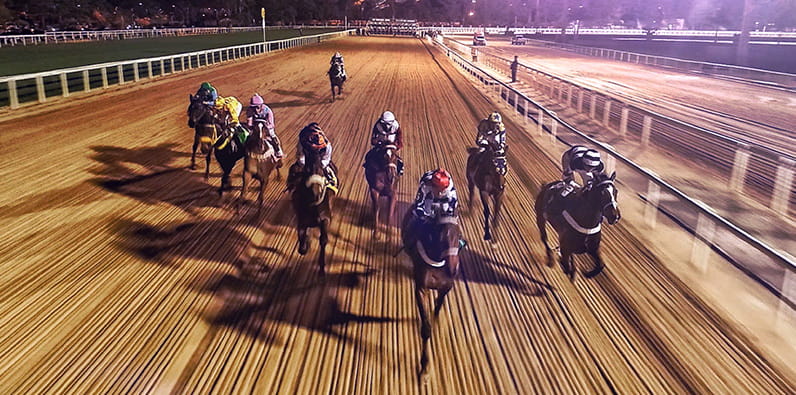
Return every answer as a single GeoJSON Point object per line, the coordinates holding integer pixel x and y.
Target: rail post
{"type": "Point", "coordinates": [149, 69]}
{"type": "Point", "coordinates": [645, 131]}
{"type": "Point", "coordinates": [782, 186]}
{"type": "Point", "coordinates": [739, 166]}
{"type": "Point", "coordinates": [104, 74]}
{"type": "Point", "coordinates": [64, 85]}
{"type": "Point", "coordinates": [703, 237]}
{"type": "Point", "coordinates": [623, 121]}
{"type": "Point", "coordinates": [593, 106]}
{"type": "Point", "coordinates": [553, 130]}
{"type": "Point", "coordinates": [560, 90]}
{"type": "Point", "coordinates": [607, 112]}
{"type": "Point", "coordinates": [651, 208]}
{"type": "Point", "coordinates": [540, 121]}
{"type": "Point", "coordinates": [13, 97]}
{"type": "Point", "coordinates": [580, 101]}
{"type": "Point", "coordinates": [525, 112]}
{"type": "Point", "coordinates": [86, 81]}
{"type": "Point", "coordinates": [40, 89]}
{"type": "Point", "coordinates": [136, 75]}
{"type": "Point", "coordinates": [569, 95]}
{"type": "Point", "coordinates": [120, 71]}
{"type": "Point", "coordinates": [785, 311]}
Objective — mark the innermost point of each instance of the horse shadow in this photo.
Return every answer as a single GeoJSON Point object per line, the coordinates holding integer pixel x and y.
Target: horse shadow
{"type": "Point", "coordinates": [292, 295]}
{"type": "Point", "coordinates": [168, 244]}
{"type": "Point", "coordinates": [289, 103]}
{"type": "Point", "coordinates": [296, 93]}
{"type": "Point", "coordinates": [141, 173]}
{"type": "Point", "coordinates": [482, 269]}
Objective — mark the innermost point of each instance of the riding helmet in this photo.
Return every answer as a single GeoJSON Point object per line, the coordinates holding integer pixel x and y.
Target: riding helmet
{"type": "Point", "coordinates": [387, 117]}
{"type": "Point", "coordinates": [256, 100]}
{"type": "Point", "coordinates": [440, 180]}
{"type": "Point", "coordinates": [495, 117]}
{"type": "Point", "coordinates": [591, 158]}
{"type": "Point", "coordinates": [206, 85]}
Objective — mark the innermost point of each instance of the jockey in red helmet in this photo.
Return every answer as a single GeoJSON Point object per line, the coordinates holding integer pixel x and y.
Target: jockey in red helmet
{"type": "Point", "coordinates": [436, 196]}
{"type": "Point", "coordinates": [582, 160]}
{"type": "Point", "coordinates": [386, 130]}
{"type": "Point", "coordinates": [258, 111]}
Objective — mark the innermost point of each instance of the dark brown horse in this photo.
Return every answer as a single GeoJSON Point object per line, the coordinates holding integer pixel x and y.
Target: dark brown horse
{"type": "Point", "coordinates": [311, 198]}
{"type": "Point", "coordinates": [336, 79]}
{"type": "Point", "coordinates": [202, 118]}
{"type": "Point", "coordinates": [434, 249]}
{"type": "Point", "coordinates": [577, 220]}
{"type": "Point", "coordinates": [487, 171]}
{"type": "Point", "coordinates": [381, 172]}
{"type": "Point", "coordinates": [260, 161]}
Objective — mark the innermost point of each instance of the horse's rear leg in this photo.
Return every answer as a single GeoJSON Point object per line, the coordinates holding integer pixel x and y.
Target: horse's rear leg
{"type": "Point", "coordinates": [244, 178]}
{"type": "Point", "coordinates": [541, 224]}
{"type": "Point", "coordinates": [207, 163]}
{"type": "Point", "coordinates": [485, 202]}
{"type": "Point", "coordinates": [498, 203]}
{"type": "Point", "coordinates": [566, 262]}
{"type": "Point", "coordinates": [598, 263]}
{"type": "Point", "coordinates": [425, 331]}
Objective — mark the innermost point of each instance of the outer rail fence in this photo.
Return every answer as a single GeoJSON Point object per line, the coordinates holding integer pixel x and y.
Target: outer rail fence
{"type": "Point", "coordinates": [662, 203]}
{"type": "Point", "coordinates": [786, 80]}
{"type": "Point", "coordinates": [763, 173]}
{"type": "Point", "coordinates": [98, 35]}
{"type": "Point", "coordinates": [724, 35]}
{"type": "Point", "coordinates": [39, 87]}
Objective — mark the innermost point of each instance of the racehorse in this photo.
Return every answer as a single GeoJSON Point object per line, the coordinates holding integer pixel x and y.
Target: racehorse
{"type": "Point", "coordinates": [381, 172]}
{"type": "Point", "coordinates": [228, 150]}
{"type": "Point", "coordinates": [202, 118]}
{"type": "Point", "coordinates": [434, 249]}
{"type": "Point", "coordinates": [487, 171]}
{"type": "Point", "coordinates": [260, 161]}
{"type": "Point", "coordinates": [336, 78]}
{"type": "Point", "coordinates": [311, 199]}
{"type": "Point", "coordinates": [577, 219]}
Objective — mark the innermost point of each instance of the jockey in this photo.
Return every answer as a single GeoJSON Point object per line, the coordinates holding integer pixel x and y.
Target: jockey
{"type": "Point", "coordinates": [312, 137]}
{"type": "Point", "coordinates": [259, 111]}
{"type": "Point", "coordinates": [584, 161]}
{"type": "Point", "coordinates": [436, 195]}
{"type": "Point", "coordinates": [230, 109]}
{"type": "Point", "coordinates": [386, 130]}
{"type": "Point", "coordinates": [207, 93]}
{"type": "Point", "coordinates": [491, 132]}
{"type": "Point", "coordinates": [338, 58]}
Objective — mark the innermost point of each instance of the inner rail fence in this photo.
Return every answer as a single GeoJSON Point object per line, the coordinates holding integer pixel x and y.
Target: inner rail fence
{"type": "Point", "coordinates": [19, 90]}
{"type": "Point", "coordinates": [125, 34]}
{"type": "Point", "coordinates": [763, 173]}
{"type": "Point", "coordinates": [661, 205]}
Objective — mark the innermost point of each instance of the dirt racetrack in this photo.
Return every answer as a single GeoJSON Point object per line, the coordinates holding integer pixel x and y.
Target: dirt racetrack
{"type": "Point", "coordinates": [122, 272]}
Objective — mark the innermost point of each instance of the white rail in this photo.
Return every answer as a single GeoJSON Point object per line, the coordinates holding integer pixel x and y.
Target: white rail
{"type": "Point", "coordinates": [709, 232]}
{"type": "Point", "coordinates": [40, 87]}
{"type": "Point", "coordinates": [98, 35]}
{"type": "Point", "coordinates": [723, 34]}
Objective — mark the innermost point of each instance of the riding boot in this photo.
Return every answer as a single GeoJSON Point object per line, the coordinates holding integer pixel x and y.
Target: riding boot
{"type": "Point", "coordinates": [400, 164]}
{"type": "Point", "coordinates": [277, 146]}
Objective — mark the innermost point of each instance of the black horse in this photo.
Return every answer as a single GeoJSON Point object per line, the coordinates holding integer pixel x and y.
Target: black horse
{"type": "Point", "coordinates": [228, 149]}
{"type": "Point", "coordinates": [487, 171]}
{"type": "Point", "coordinates": [202, 118]}
{"type": "Point", "coordinates": [336, 78]}
{"type": "Point", "coordinates": [311, 198]}
{"type": "Point", "coordinates": [434, 249]}
{"type": "Point", "coordinates": [577, 219]}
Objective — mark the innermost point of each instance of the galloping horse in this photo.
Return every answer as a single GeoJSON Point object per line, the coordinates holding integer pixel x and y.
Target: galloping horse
{"type": "Point", "coordinates": [381, 172]}
{"type": "Point", "coordinates": [228, 151]}
{"type": "Point", "coordinates": [311, 198]}
{"type": "Point", "coordinates": [202, 118]}
{"type": "Point", "coordinates": [487, 170]}
{"type": "Point", "coordinates": [336, 78]}
{"type": "Point", "coordinates": [434, 249]}
{"type": "Point", "coordinates": [259, 161]}
{"type": "Point", "coordinates": [577, 220]}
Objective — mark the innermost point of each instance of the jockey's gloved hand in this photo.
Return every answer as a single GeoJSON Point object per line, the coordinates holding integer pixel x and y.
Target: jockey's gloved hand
{"type": "Point", "coordinates": [420, 214]}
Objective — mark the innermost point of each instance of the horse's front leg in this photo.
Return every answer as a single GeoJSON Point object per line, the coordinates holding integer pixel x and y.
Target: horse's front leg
{"type": "Point", "coordinates": [244, 177]}
{"type": "Point", "coordinates": [425, 330]}
{"type": "Point", "coordinates": [485, 202]}
{"type": "Point", "coordinates": [374, 199]}
{"type": "Point", "coordinates": [323, 240]}
{"type": "Point", "coordinates": [498, 203]}
{"type": "Point", "coordinates": [207, 162]}
{"type": "Point", "coordinates": [193, 152]}
{"type": "Point", "coordinates": [566, 262]}
{"type": "Point", "coordinates": [302, 239]}
{"type": "Point", "coordinates": [598, 262]}
{"type": "Point", "coordinates": [440, 300]}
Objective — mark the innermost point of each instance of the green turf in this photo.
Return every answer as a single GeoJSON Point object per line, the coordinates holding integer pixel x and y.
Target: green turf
{"type": "Point", "coordinates": [35, 58]}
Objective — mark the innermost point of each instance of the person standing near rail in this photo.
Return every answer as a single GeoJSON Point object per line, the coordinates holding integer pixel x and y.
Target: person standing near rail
{"type": "Point", "coordinates": [514, 65]}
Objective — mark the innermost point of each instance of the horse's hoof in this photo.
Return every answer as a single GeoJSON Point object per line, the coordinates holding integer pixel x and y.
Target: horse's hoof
{"type": "Point", "coordinates": [302, 250]}
{"type": "Point", "coordinates": [487, 237]}
{"type": "Point", "coordinates": [192, 167]}
{"type": "Point", "coordinates": [593, 273]}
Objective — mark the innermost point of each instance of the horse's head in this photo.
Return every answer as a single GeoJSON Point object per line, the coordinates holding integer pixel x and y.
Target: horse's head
{"type": "Point", "coordinates": [440, 246]}
{"type": "Point", "coordinates": [603, 186]}
{"type": "Point", "coordinates": [314, 176]}
{"type": "Point", "coordinates": [199, 112]}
